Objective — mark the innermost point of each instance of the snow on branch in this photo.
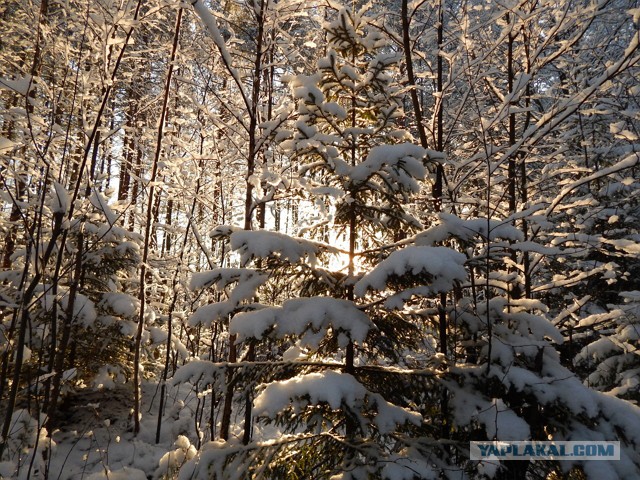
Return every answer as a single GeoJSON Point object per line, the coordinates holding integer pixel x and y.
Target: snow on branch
{"type": "Point", "coordinates": [59, 199]}
{"type": "Point", "coordinates": [628, 162]}
{"type": "Point", "coordinates": [574, 277]}
{"type": "Point", "coordinates": [437, 267]}
{"type": "Point", "coordinates": [195, 371]}
{"type": "Point", "coordinates": [223, 231]}
{"type": "Point", "coordinates": [465, 230]}
{"type": "Point", "coordinates": [336, 390]}
{"type": "Point", "coordinates": [221, 278]}
{"type": "Point", "coordinates": [500, 422]}
{"type": "Point", "coordinates": [402, 163]}
{"type": "Point", "coordinates": [207, 314]}
{"type": "Point", "coordinates": [519, 315]}
{"type": "Point", "coordinates": [121, 304]}
{"type": "Point", "coordinates": [305, 88]}
{"type": "Point", "coordinates": [248, 281]}
{"type": "Point", "coordinates": [99, 201]}
{"type": "Point", "coordinates": [264, 244]}
{"type": "Point", "coordinates": [309, 318]}
{"type": "Point", "coordinates": [19, 85]}
{"type": "Point", "coordinates": [329, 387]}
{"type": "Point", "coordinates": [84, 310]}
{"type": "Point", "coordinates": [212, 27]}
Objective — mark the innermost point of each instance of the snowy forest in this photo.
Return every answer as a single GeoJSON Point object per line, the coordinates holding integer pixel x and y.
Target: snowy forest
{"type": "Point", "coordinates": [317, 239]}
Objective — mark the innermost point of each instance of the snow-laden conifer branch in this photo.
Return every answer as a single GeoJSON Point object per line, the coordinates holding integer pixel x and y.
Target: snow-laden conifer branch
{"type": "Point", "coordinates": [310, 319]}
{"type": "Point", "coordinates": [338, 390]}
{"type": "Point", "coordinates": [466, 229]}
{"type": "Point", "coordinates": [438, 268]}
{"type": "Point", "coordinates": [246, 281]}
{"type": "Point", "coordinates": [264, 244]}
{"type": "Point", "coordinates": [59, 199]}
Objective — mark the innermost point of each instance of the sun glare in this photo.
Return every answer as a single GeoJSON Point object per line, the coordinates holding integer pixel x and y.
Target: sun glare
{"type": "Point", "coordinates": [338, 262]}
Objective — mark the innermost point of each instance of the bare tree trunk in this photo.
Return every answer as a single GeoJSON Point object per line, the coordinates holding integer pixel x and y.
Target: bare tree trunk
{"type": "Point", "coordinates": [248, 401]}
{"type": "Point", "coordinates": [60, 355]}
{"type": "Point", "coordinates": [523, 168]}
{"type": "Point", "coordinates": [135, 188]}
{"type": "Point", "coordinates": [349, 360]}
{"type": "Point", "coordinates": [437, 202]}
{"type": "Point", "coordinates": [439, 180]}
{"type": "Point", "coordinates": [514, 291]}
{"type": "Point", "coordinates": [14, 217]}
{"type": "Point", "coordinates": [174, 283]}
{"type": "Point", "coordinates": [252, 156]}
{"type": "Point", "coordinates": [148, 229]}
{"type": "Point", "coordinates": [167, 240]}
{"type": "Point", "coordinates": [411, 78]}
{"type": "Point", "coordinates": [130, 146]}
{"type": "Point", "coordinates": [438, 183]}
{"type": "Point", "coordinates": [511, 167]}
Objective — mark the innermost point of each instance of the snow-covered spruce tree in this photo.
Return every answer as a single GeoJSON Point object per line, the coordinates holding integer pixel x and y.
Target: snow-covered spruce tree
{"type": "Point", "coordinates": [505, 380]}
{"type": "Point", "coordinates": [508, 339]}
{"type": "Point", "coordinates": [338, 400]}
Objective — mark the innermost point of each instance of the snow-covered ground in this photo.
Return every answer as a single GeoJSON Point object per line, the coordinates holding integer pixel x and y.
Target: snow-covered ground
{"type": "Point", "coordinates": [94, 438]}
